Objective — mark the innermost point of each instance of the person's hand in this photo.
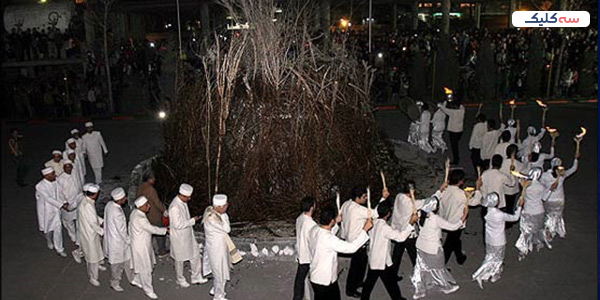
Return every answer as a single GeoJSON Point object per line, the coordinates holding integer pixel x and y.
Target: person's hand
{"type": "Point", "coordinates": [338, 219]}
{"type": "Point", "coordinates": [478, 184]}
{"type": "Point", "coordinates": [166, 213]}
{"type": "Point", "coordinates": [414, 218]}
{"type": "Point", "coordinates": [465, 214]}
{"type": "Point", "coordinates": [368, 225]}
{"type": "Point", "coordinates": [554, 186]}
{"type": "Point", "coordinates": [197, 218]}
{"type": "Point", "coordinates": [522, 201]}
{"type": "Point", "coordinates": [65, 206]}
{"type": "Point", "coordinates": [512, 168]}
{"type": "Point", "coordinates": [444, 186]}
{"type": "Point", "coordinates": [386, 193]}
{"type": "Point", "coordinates": [577, 155]}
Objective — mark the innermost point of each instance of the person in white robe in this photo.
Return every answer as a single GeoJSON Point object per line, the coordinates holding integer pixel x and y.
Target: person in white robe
{"type": "Point", "coordinates": [511, 126]}
{"type": "Point", "coordinates": [430, 270]}
{"type": "Point", "coordinates": [500, 149]}
{"type": "Point", "coordinates": [537, 158]}
{"type": "Point", "coordinates": [49, 205]}
{"type": "Point", "coordinates": [554, 197]}
{"type": "Point", "coordinates": [304, 223]}
{"type": "Point", "coordinates": [496, 181]}
{"type": "Point", "coordinates": [95, 149]}
{"type": "Point", "coordinates": [495, 239]}
{"type": "Point", "coordinates": [80, 144]}
{"type": "Point", "coordinates": [78, 166]}
{"type": "Point", "coordinates": [55, 163]}
{"type": "Point", "coordinates": [489, 142]}
{"type": "Point", "coordinates": [532, 137]}
{"type": "Point", "coordinates": [325, 246]}
{"type": "Point", "coordinates": [116, 239]}
{"type": "Point", "coordinates": [140, 233]}
{"type": "Point", "coordinates": [68, 192]}
{"type": "Point", "coordinates": [532, 217]}
{"type": "Point", "coordinates": [216, 231]}
{"type": "Point", "coordinates": [476, 140]}
{"type": "Point", "coordinates": [89, 233]}
{"type": "Point", "coordinates": [424, 129]}
{"type": "Point", "coordinates": [380, 258]}
{"type": "Point", "coordinates": [438, 122]}
{"type": "Point", "coordinates": [184, 246]}
{"type": "Point", "coordinates": [511, 192]}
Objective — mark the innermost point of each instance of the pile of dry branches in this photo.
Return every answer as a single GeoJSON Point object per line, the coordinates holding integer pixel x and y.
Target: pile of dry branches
{"type": "Point", "coordinates": [272, 118]}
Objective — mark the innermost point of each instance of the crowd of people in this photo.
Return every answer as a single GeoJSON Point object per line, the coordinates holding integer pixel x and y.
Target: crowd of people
{"type": "Point", "coordinates": [512, 185]}
{"type": "Point", "coordinates": [63, 199]}
{"type": "Point", "coordinates": [41, 44]}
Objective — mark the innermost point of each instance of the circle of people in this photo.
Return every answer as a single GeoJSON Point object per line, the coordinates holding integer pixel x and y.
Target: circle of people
{"type": "Point", "coordinates": [62, 198]}
{"type": "Point", "coordinates": [512, 187]}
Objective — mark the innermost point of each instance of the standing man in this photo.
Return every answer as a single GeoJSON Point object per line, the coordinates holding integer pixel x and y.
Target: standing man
{"type": "Point", "coordinates": [68, 192]}
{"type": "Point", "coordinates": [511, 192]}
{"type": "Point", "coordinates": [79, 148]}
{"type": "Point", "coordinates": [325, 247]}
{"type": "Point", "coordinates": [116, 240]}
{"type": "Point", "coordinates": [183, 241]}
{"type": "Point", "coordinates": [78, 166]}
{"type": "Point", "coordinates": [157, 210]}
{"type": "Point", "coordinates": [216, 231]}
{"type": "Point", "coordinates": [494, 180]}
{"type": "Point", "coordinates": [16, 152]}
{"type": "Point", "coordinates": [456, 117]}
{"type": "Point", "coordinates": [90, 230]}
{"type": "Point", "coordinates": [476, 141]}
{"type": "Point", "coordinates": [141, 231]}
{"type": "Point", "coordinates": [304, 223]}
{"type": "Point", "coordinates": [56, 162]}
{"type": "Point", "coordinates": [48, 209]}
{"type": "Point", "coordinates": [452, 206]}
{"type": "Point", "coordinates": [94, 146]}
{"type": "Point", "coordinates": [489, 143]}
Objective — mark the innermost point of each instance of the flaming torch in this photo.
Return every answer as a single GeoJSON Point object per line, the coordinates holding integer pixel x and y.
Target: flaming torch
{"type": "Point", "coordinates": [469, 191]}
{"type": "Point", "coordinates": [578, 139]}
{"type": "Point", "coordinates": [553, 133]}
{"type": "Point", "coordinates": [448, 93]}
{"type": "Point", "coordinates": [512, 104]}
{"type": "Point", "coordinates": [544, 110]}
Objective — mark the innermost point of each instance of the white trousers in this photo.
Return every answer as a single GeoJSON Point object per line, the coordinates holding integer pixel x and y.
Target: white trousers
{"type": "Point", "coordinates": [71, 229]}
{"type": "Point", "coordinates": [98, 174]}
{"type": "Point", "coordinates": [195, 265]}
{"type": "Point", "coordinates": [92, 270]}
{"type": "Point", "coordinates": [55, 237]}
{"type": "Point", "coordinates": [219, 286]}
{"type": "Point", "coordinates": [145, 279]}
{"type": "Point", "coordinates": [116, 271]}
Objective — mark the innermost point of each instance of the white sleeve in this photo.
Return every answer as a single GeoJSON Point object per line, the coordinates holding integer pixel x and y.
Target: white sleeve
{"type": "Point", "coordinates": [341, 246]}
{"type": "Point", "coordinates": [396, 235]}
{"type": "Point", "coordinates": [177, 220]}
{"type": "Point", "coordinates": [447, 225]}
{"type": "Point", "coordinates": [102, 143]}
{"type": "Point", "coordinates": [145, 224]}
{"type": "Point", "coordinates": [512, 218]}
{"type": "Point", "coordinates": [572, 169]}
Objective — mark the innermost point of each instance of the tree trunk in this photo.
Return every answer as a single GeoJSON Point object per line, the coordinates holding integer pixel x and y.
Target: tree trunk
{"type": "Point", "coordinates": [111, 108]}
{"type": "Point", "coordinates": [446, 16]}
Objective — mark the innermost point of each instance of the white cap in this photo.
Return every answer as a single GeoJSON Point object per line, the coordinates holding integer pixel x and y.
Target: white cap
{"type": "Point", "coordinates": [89, 124]}
{"type": "Point", "coordinates": [67, 162]}
{"type": "Point", "coordinates": [87, 186]}
{"type": "Point", "coordinates": [93, 188]}
{"type": "Point", "coordinates": [71, 140]}
{"type": "Point", "coordinates": [74, 131]}
{"type": "Point", "coordinates": [118, 194]}
{"type": "Point", "coordinates": [219, 200]}
{"type": "Point", "coordinates": [56, 152]}
{"type": "Point", "coordinates": [140, 201]}
{"type": "Point", "coordinates": [186, 189]}
{"type": "Point", "coordinates": [47, 171]}
{"type": "Point", "coordinates": [70, 151]}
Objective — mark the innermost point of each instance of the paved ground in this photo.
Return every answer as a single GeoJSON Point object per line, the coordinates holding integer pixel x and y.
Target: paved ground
{"type": "Point", "coordinates": [30, 271]}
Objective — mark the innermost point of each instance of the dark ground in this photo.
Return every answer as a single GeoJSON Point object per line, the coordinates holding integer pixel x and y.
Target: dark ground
{"type": "Point", "coordinates": [568, 271]}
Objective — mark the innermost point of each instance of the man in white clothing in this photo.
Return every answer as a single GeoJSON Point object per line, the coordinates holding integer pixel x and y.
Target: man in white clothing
{"type": "Point", "coordinates": [493, 180]}
{"type": "Point", "coordinates": [532, 138]}
{"type": "Point", "coordinates": [456, 119]}
{"type": "Point", "coordinates": [489, 142]}
{"type": "Point", "coordinates": [183, 241]}
{"type": "Point", "coordinates": [89, 232]}
{"type": "Point", "coordinates": [69, 191]}
{"type": "Point", "coordinates": [355, 215]}
{"type": "Point", "coordinates": [452, 205]}
{"type": "Point", "coordinates": [511, 192]}
{"type": "Point", "coordinates": [511, 126]}
{"type": "Point", "coordinates": [380, 259]}
{"type": "Point", "coordinates": [325, 247]}
{"type": "Point", "coordinates": [500, 149]}
{"type": "Point", "coordinates": [78, 166]}
{"type": "Point", "coordinates": [476, 141]}
{"type": "Point", "coordinates": [216, 231]}
{"type": "Point", "coordinates": [140, 233]}
{"type": "Point", "coordinates": [55, 163]}
{"type": "Point", "coordinates": [80, 145]}
{"type": "Point", "coordinates": [94, 147]}
{"type": "Point", "coordinates": [116, 240]}
{"type": "Point", "coordinates": [48, 205]}
{"type": "Point", "coordinates": [438, 123]}
{"type": "Point", "coordinates": [304, 223]}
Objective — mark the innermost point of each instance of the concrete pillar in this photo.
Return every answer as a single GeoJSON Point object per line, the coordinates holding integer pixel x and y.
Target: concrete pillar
{"type": "Point", "coordinates": [394, 17]}
{"type": "Point", "coordinates": [415, 15]}
{"type": "Point", "coordinates": [446, 16]}
{"type": "Point", "coordinates": [512, 7]}
{"type": "Point", "coordinates": [205, 19]}
{"type": "Point", "coordinates": [478, 14]}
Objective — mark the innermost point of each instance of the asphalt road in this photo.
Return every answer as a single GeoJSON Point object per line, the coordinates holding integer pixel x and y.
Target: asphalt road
{"type": "Point", "coordinates": [568, 271]}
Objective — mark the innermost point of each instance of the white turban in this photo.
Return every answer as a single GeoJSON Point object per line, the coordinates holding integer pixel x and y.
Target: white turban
{"type": "Point", "coordinates": [56, 152]}
{"type": "Point", "coordinates": [531, 130]}
{"type": "Point", "coordinates": [89, 124]}
{"type": "Point", "coordinates": [555, 162]}
{"type": "Point", "coordinates": [140, 201]}
{"type": "Point", "coordinates": [490, 200]}
{"type": "Point", "coordinates": [219, 200]}
{"type": "Point", "coordinates": [74, 131]}
{"type": "Point", "coordinates": [87, 186]}
{"type": "Point", "coordinates": [70, 151]}
{"type": "Point", "coordinates": [118, 194]}
{"type": "Point", "coordinates": [93, 188]}
{"type": "Point", "coordinates": [67, 162]}
{"type": "Point", "coordinates": [71, 140]}
{"type": "Point", "coordinates": [430, 204]}
{"type": "Point", "coordinates": [47, 171]}
{"type": "Point", "coordinates": [186, 189]}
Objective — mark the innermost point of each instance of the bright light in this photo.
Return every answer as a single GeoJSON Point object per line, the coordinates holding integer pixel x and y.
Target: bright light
{"type": "Point", "coordinates": [403, 48]}
{"type": "Point", "coordinates": [152, 44]}
{"type": "Point", "coordinates": [162, 114]}
{"type": "Point", "coordinates": [343, 23]}
{"type": "Point", "coordinates": [65, 78]}
{"type": "Point", "coordinates": [380, 55]}
{"type": "Point", "coordinates": [43, 1]}
{"type": "Point", "coordinates": [278, 10]}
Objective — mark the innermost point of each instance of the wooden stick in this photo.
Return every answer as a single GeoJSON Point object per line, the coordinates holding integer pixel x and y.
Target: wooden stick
{"type": "Point", "coordinates": [369, 213]}
{"type": "Point", "coordinates": [447, 169]}
{"type": "Point", "coordinates": [518, 137]}
{"type": "Point", "coordinates": [479, 109]}
{"type": "Point", "coordinates": [412, 200]}
{"type": "Point", "coordinates": [478, 172]}
{"type": "Point", "coordinates": [500, 112]}
{"type": "Point", "coordinates": [512, 112]}
{"type": "Point", "coordinates": [337, 201]}
{"type": "Point", "coordinates": [512, 160]}
{"type": "Point", "coordinates": [383, 179]}
{"type": "Point", "coordinates": [544, 110]}
{"type": "Point", "coordinates": [577, 141]}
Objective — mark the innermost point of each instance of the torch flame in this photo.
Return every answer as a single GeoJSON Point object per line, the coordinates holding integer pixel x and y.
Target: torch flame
{"type": "Point", "coordinates": [447, 91]}
{"type": "Point", "coordinates": [550, 130]}
{"type": "Point", "coordinates": [540, 103]}
{"type": "Point", "coordinates": [518, 174]}
{"type": "Point", "coordinates": [469, 189]}
{"type": "Point", "coordinates": [512, 102]}
{"type": "Point", "coordinates": [583, 132]}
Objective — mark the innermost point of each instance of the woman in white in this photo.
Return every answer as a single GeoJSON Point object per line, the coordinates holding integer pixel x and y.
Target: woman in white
{"type": "Point", "coordinates": [537, 159]}
{"type": "Point", "coordinates": [495, 239]}
{"type": "Point", "coordinates": [430, 269]}
{"type": "Point", "coordinates": [554, 180]}
{"type": "Point", "coordinates": [424, 124]}
{"type": "Point", "coordinates": [532, 217]}
{"type": "Point", "coordinates": [438, 121]}
{"type": "Point", "coordinates": [531, 138]}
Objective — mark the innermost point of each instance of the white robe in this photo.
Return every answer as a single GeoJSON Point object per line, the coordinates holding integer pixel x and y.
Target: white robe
{"type": "Point", "coordinates": [48, 205]}
{"type": "Point", "coordinates": [94, 146]}
{"type": "Point", "coordinates": [56, 166]}
{"type": "Point", "coordinates": [79, 152]}
{"type": "Point", "coordinates": [140, 233]}
{"type": "Point", "coordinates": [116, 240]}
{"type": "Point", "coordinates": [215, 232]}
{"type": "Point", "coordinates": [69, 191]}
{"type": "Point", "coordinates": [89, 231]}
{"type": "Point", "coordinates": [78, 166]}
{"type": "Point", "coordinates": [183, 242]}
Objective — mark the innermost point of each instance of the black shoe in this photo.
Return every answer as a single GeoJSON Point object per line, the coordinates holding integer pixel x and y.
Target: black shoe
{"type": "Point", "coordinates": [354, 294]}
{"type": "Point", "coordinates": [461, 260]}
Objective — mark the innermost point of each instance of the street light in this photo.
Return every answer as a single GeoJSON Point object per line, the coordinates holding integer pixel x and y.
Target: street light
{"type": "Point", "coordinates": [343, 23]}
{"type": "Point", "coordinates": [162, 114]}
